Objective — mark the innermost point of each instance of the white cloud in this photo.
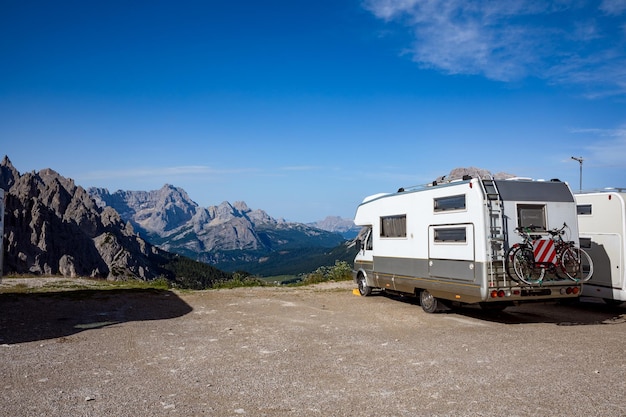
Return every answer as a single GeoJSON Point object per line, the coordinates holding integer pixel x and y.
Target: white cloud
{"type": "Point", "coordinates": [566, 41]}
{"type": "Point", "coordinates": [607, 147]}
{"type": "Point", "coordinates": [613, 7]}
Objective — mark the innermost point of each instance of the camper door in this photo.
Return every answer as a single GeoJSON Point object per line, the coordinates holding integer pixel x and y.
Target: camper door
{"type": "Point", "coordinates": [605, 250]}
{"type": "Point", "coordinates": [451, 251]}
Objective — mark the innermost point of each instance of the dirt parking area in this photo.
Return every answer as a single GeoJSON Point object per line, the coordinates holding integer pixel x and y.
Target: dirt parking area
{"type": "Point", "coordinates": [308, 351]}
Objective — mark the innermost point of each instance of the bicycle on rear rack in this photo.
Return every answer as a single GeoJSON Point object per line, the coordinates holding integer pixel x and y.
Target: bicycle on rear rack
{"type": "Point", "coordinates": [531, 259]}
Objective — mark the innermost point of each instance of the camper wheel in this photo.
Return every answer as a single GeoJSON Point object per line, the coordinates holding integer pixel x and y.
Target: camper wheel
{"type": "Point", "coordinates": [364, 289]}
{"type": "Point", "coordinates": [429, 303]}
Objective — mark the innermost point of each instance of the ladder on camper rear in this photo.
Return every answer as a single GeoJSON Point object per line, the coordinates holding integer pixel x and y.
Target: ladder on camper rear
{"type": "Point", "coordinates": [496, 231]}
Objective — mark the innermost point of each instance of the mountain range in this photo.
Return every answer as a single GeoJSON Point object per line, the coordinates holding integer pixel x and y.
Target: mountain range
{"type": "Point", "coordinates": [229, 236]}
{"type": "Point", "coordinates": [336, 224]}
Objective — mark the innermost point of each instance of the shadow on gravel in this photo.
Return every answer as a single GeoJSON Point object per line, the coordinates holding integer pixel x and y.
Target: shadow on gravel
{"type": "Point", "coordinates": [570, 313]}
{"type": "Point", "coordinates": [40, 316]}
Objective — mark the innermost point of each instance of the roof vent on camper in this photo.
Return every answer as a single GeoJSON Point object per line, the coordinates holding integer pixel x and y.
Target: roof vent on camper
{"type": "Point", "coordinates": [555, 180]}
{"type": "Point", "coordinates": [467, 177]}
{"type": "Point", "coordinates": [439, 180]}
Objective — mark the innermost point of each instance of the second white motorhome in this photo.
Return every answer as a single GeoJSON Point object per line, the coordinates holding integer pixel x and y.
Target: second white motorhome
{"type": "Point", "coordinates": [602, 225]}
{"type": "Point", "coordinates": [447, 241]}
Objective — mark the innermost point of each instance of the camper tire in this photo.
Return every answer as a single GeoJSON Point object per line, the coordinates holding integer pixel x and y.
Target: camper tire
{"type": "Point", "coordinates": [364, 289]}
{"type": "Point", "coordinates": [429, 303]}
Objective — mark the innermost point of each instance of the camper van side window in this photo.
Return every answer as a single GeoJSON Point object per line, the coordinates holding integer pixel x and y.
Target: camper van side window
{"type": "Point", "coordinates": [583, 209]}
{"type": "Point", "coordinates": [456, 234]}
{"type": "Point", "coordinates": [368, 240]}
{"type": "Point", "coordinates": [455, 202]}
{"type": "Point", "coordinates": [393, 226]}
{"type": "Point", "coordinates": [531, 214]}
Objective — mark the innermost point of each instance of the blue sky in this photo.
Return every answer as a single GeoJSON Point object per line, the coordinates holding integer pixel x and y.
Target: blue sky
{"type": "Point", "coordinates": [303, 108]}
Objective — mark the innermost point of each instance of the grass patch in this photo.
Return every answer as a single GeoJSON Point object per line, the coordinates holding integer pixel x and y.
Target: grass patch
{"type": "Point", "coordinates": [17, 289]}
{"type": "Point", "coordinates": [57, 284]}
{"type": "Point", "coordinates": [281, 279]}
{"type": "Point", "coordinates": [341, 271]}
{"type": "Point", "coordinates": [240, 281]}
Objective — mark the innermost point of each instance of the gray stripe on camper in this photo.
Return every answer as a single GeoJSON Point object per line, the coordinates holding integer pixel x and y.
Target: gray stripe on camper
{"type": "Point", "coordinates": [445, 269]}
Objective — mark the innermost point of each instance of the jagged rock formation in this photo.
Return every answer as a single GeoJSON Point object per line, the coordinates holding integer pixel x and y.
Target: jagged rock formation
{"type": "Point", "coordinates": [168, 215]}
{"type": "Point", "coordinates": [52, 226]}
{"type": "Point", "coordinates": [159, 211]}
{"type": "Point", "coordinates": [229, 236]}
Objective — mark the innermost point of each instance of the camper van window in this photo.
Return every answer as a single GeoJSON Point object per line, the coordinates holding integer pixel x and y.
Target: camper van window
{"type": "Point", "coordinates": [393, 226]}
{"type": "Point", "coordinates": [456, 234]}
{"type": "Point", "coordinates": [531, 214]}
{"type": "Point", "coordinates": [455, 202]}
{"type": "Point", "coordinates": [583, 209]}
{"type": "Point", "coordinates": [368, 239]}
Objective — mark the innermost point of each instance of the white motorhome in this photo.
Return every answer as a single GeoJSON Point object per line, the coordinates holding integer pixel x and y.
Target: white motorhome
{"type": "Point", "coordinates": [602, 226]}
{"type": "Point", "coordinates": [446, 242]}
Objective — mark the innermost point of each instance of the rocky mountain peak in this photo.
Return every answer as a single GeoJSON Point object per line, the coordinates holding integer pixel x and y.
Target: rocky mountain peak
{"type": "Point", "coordinates": [8, 173]}
{"type": "Point", "coordinates": [241, 207]}
{"type": "Point", "coordinates": [222, 213]}
{"type": "Point", "coordinates": [53, 226]}
{"type": "Point", "coordinates": [158, 211]}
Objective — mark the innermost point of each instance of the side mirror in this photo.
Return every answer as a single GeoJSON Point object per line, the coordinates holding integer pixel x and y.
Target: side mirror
{"type": "Point", "coordinates": [359, 245]}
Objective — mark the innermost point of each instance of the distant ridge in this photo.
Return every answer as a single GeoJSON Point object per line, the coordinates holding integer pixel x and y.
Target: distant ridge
{"type": "Point", "coordinates": [229, 236]}
{"type": "Point", "coordinates": [336, 224]}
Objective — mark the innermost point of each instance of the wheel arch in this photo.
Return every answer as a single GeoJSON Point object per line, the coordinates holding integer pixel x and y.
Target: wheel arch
{"type": "Point", "coordinates": [368, 277]}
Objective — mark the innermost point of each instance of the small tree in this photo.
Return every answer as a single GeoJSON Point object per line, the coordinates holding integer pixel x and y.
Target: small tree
{"type": "Point", "coordinates": [341, 271]}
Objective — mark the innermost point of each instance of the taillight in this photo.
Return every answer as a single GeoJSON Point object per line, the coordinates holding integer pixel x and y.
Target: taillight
{"type": "Point", "coordinates": [498, 293]}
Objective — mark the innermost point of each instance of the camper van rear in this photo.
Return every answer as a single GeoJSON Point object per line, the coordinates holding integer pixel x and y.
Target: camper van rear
{"type": "Point", "coordinates": [447, 242]}
{"type": "Point", "coordinates": [602, 223]}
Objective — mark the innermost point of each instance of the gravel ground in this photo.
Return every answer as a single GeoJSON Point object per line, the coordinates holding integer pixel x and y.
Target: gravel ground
{"type": "Point", "coordinates": [307, 351]}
